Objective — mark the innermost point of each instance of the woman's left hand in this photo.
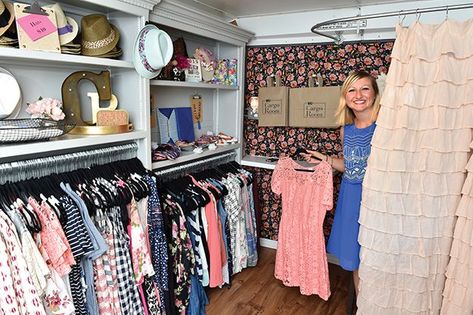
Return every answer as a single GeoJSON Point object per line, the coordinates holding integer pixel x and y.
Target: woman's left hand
{"type": "Point", "coordinates": [309, 158]}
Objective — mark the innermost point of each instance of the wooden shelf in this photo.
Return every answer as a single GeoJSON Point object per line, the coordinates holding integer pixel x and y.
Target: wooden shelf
{"type": "Point", "coordinates": [197, 85]}
{"type": "Point", "coordinates": [190, 156]}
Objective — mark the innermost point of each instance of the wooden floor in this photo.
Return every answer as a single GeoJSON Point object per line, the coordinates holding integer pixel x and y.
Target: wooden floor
{"type": "Point", "coordinates": [256, 291]}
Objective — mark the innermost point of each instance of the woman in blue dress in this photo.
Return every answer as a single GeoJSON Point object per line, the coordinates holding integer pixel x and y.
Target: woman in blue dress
{"type": "Point", "coordinates": [357, 113]}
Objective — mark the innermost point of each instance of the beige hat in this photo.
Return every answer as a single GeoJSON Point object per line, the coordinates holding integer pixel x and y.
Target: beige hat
{"type": "Point", "coordinates": [114, 53]}
{"type": "Point", "coordinates": [7, 15]}
{"type": "Point", "coordinates": [98, 35]}
{"type": "Point", "coordinates": [67, 27]}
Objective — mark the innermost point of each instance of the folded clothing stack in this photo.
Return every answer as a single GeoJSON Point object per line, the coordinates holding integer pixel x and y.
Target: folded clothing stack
{"type": "Point", "coordinates": [166, 152]}
{"type": "Point", "coordinates": [224, 139]}
{"type": "Point", "coordinates": [205, 140]}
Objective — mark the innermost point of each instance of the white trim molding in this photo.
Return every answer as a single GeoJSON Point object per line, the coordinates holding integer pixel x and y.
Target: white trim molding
{"type": "Point", "coordinates": [177, 15]}
{"type": "Point", "coordinates": [147, 4]}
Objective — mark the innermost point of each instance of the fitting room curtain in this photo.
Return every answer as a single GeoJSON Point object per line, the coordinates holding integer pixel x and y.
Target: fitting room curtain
{"type": "Point", "coordinates": [458, 292]}
{"type": "Point", "coordinates": [415, 175]}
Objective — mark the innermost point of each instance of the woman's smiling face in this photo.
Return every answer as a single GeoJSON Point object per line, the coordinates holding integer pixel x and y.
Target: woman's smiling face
{"type": "Point", "coordinates": [360, 96]}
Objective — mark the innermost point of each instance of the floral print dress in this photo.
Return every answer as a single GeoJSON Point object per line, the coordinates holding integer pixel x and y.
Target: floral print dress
{"type": "Point", "coordinates": [17, 292]}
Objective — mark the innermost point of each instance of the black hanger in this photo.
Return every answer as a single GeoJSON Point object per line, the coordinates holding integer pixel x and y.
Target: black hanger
{"type": "Point", "coordinates": [17, 195]}
{"type": "Point", "coordinates": [221, 186]}
{"type": "Point", "coordinates": [52, 190]}
{"type": "Point", "coordinates": [31, 219]}
{"type": "Point", "coordinates": [3, 200]}
{"type": "Point", "coordinates": [301, 150]}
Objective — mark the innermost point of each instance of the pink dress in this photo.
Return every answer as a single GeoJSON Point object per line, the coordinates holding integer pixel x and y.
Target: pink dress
{"type": "Point", "coordinates": [301, 259]}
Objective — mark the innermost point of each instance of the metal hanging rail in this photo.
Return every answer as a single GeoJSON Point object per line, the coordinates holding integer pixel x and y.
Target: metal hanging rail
{"type": "Point", "coordinates": [177, 171]}
{"type": "Point", "coordinates": [338, 40]}
{"type": "Point", "coordinates": [43, 166]}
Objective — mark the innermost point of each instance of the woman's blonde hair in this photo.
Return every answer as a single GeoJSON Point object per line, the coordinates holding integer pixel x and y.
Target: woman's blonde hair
{"type": "Point", "coordinates": [344, 114]}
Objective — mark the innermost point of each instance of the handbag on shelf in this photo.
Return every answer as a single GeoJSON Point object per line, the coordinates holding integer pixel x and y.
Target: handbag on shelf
{"type": "Point", "coordinates": [314, 107]}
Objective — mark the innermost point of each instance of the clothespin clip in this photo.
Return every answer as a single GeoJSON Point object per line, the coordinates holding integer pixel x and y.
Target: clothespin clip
{"type": "Point", "coordinates": [35, 8]}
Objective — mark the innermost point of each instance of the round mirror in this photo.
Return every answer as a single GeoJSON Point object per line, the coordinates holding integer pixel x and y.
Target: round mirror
{"type": "Point", "coordinates": [10, 95]}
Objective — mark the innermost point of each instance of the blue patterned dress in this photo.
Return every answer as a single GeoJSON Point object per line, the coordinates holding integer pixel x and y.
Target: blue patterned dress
{"type": "Point", "coordinates": [343, 241]}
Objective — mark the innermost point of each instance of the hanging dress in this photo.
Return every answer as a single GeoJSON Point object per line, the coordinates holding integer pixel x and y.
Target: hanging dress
{"type": "Point", "coordinates": [301, 259]}
{"type": "Point", "coordinates": [343, 241]}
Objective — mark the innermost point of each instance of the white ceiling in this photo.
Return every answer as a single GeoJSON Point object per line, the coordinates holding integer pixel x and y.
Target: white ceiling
{"type": "Point", "coordinates": [245, 8]}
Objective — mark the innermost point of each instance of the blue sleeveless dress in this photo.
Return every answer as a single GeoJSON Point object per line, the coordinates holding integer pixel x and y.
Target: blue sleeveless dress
{"type": "Point", "coordinates": [343, 241]}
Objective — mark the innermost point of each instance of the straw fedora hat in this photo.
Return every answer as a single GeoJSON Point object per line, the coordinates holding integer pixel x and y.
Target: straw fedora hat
{"type": "Point", "coordinates": [7, 15]}
{"type": "Point", "coordinates": [99, 36]}
{"type": "Point", "coordinates": [67, 27]}
{"type": "Point", "coordinates": [153, 50]}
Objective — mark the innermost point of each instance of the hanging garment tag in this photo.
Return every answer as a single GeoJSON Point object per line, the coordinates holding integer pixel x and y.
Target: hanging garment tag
{"type": "Point", "coordinates": [196, 104]}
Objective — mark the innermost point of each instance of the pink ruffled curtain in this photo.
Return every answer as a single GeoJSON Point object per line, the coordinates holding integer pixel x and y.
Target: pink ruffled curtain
{"type": "Point", "coordinates": [416, 171]}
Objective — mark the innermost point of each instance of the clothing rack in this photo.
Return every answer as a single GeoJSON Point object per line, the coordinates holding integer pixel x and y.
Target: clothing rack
{"type": "Point", "coordinates": [174, 172]}
{"type": "Point", "coordinates": [44, 166]}
{"type": "Point", "coordinates": [338, 39]}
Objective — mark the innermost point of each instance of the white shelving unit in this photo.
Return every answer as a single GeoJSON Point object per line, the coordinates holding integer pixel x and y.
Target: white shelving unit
{"type": "Point", "coordinates": [42, 74]}
{"type": "Point", "coordinates": [222, 104]}
{"type": "Point", "coordinates": [258, 161]}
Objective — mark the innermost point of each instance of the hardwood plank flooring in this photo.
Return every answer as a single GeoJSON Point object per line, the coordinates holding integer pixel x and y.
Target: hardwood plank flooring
{"type": "Point", "coordinates": [255, 291]}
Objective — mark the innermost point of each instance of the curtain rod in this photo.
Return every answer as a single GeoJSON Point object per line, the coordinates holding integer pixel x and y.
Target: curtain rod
{"type": "Point", "coordinates": [338, 39]}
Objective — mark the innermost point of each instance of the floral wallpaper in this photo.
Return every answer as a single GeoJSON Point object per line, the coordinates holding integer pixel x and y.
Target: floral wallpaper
{"type": "Point", "coordinates": [295, 64]}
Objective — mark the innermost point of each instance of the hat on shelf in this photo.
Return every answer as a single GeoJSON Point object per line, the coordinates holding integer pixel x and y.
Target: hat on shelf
{"type": "Point", "coordinates": [9, 38]}
{"type": "Point", "coordinates": [114, 53]}
{"type": "Point", "coordinates": [153, 50]}
{"type": "Point", "coordinates": [67, 27]}
{"type": "Point", "coordinates": [99, 36]}
{"type": "Point", "coordinates": [7, 15]}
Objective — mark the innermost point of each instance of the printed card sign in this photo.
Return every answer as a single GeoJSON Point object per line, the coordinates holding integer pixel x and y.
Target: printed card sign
{"type": "Point", "coordinates": [193, 73]}
{"type": "Point", "coordinates": [36, 26]}
{"type": "Point", "coordinates": [314, 110]}
{"type": "Point", "coordinates": [37, 31]}
{"type": "Point", "coordinates": [273, 107]}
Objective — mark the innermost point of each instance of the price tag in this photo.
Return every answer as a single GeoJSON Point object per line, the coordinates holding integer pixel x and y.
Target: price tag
{"type": "Point", "coordinates": [196, 104]}
{"type": "Point", "coordinates": [36, 26]}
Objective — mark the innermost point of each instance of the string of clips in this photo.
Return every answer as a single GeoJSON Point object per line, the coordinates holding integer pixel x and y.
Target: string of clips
{"type": "Point", "coordinates": [338, 39]}
{"type": "Point", "coordinates": [174, 172]}
{"type": "Point", "coordinates": [44, 166]}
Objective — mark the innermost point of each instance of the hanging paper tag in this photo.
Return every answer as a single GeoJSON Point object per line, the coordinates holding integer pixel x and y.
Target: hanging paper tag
{"type": "Point", "coordinates": [36, 26]}
{"type": "Point", "coordinates": [196, 104]}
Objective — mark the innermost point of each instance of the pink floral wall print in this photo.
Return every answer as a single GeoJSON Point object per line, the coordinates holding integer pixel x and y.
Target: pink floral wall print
{"type": "Point", "coordinates": [295, 64]}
